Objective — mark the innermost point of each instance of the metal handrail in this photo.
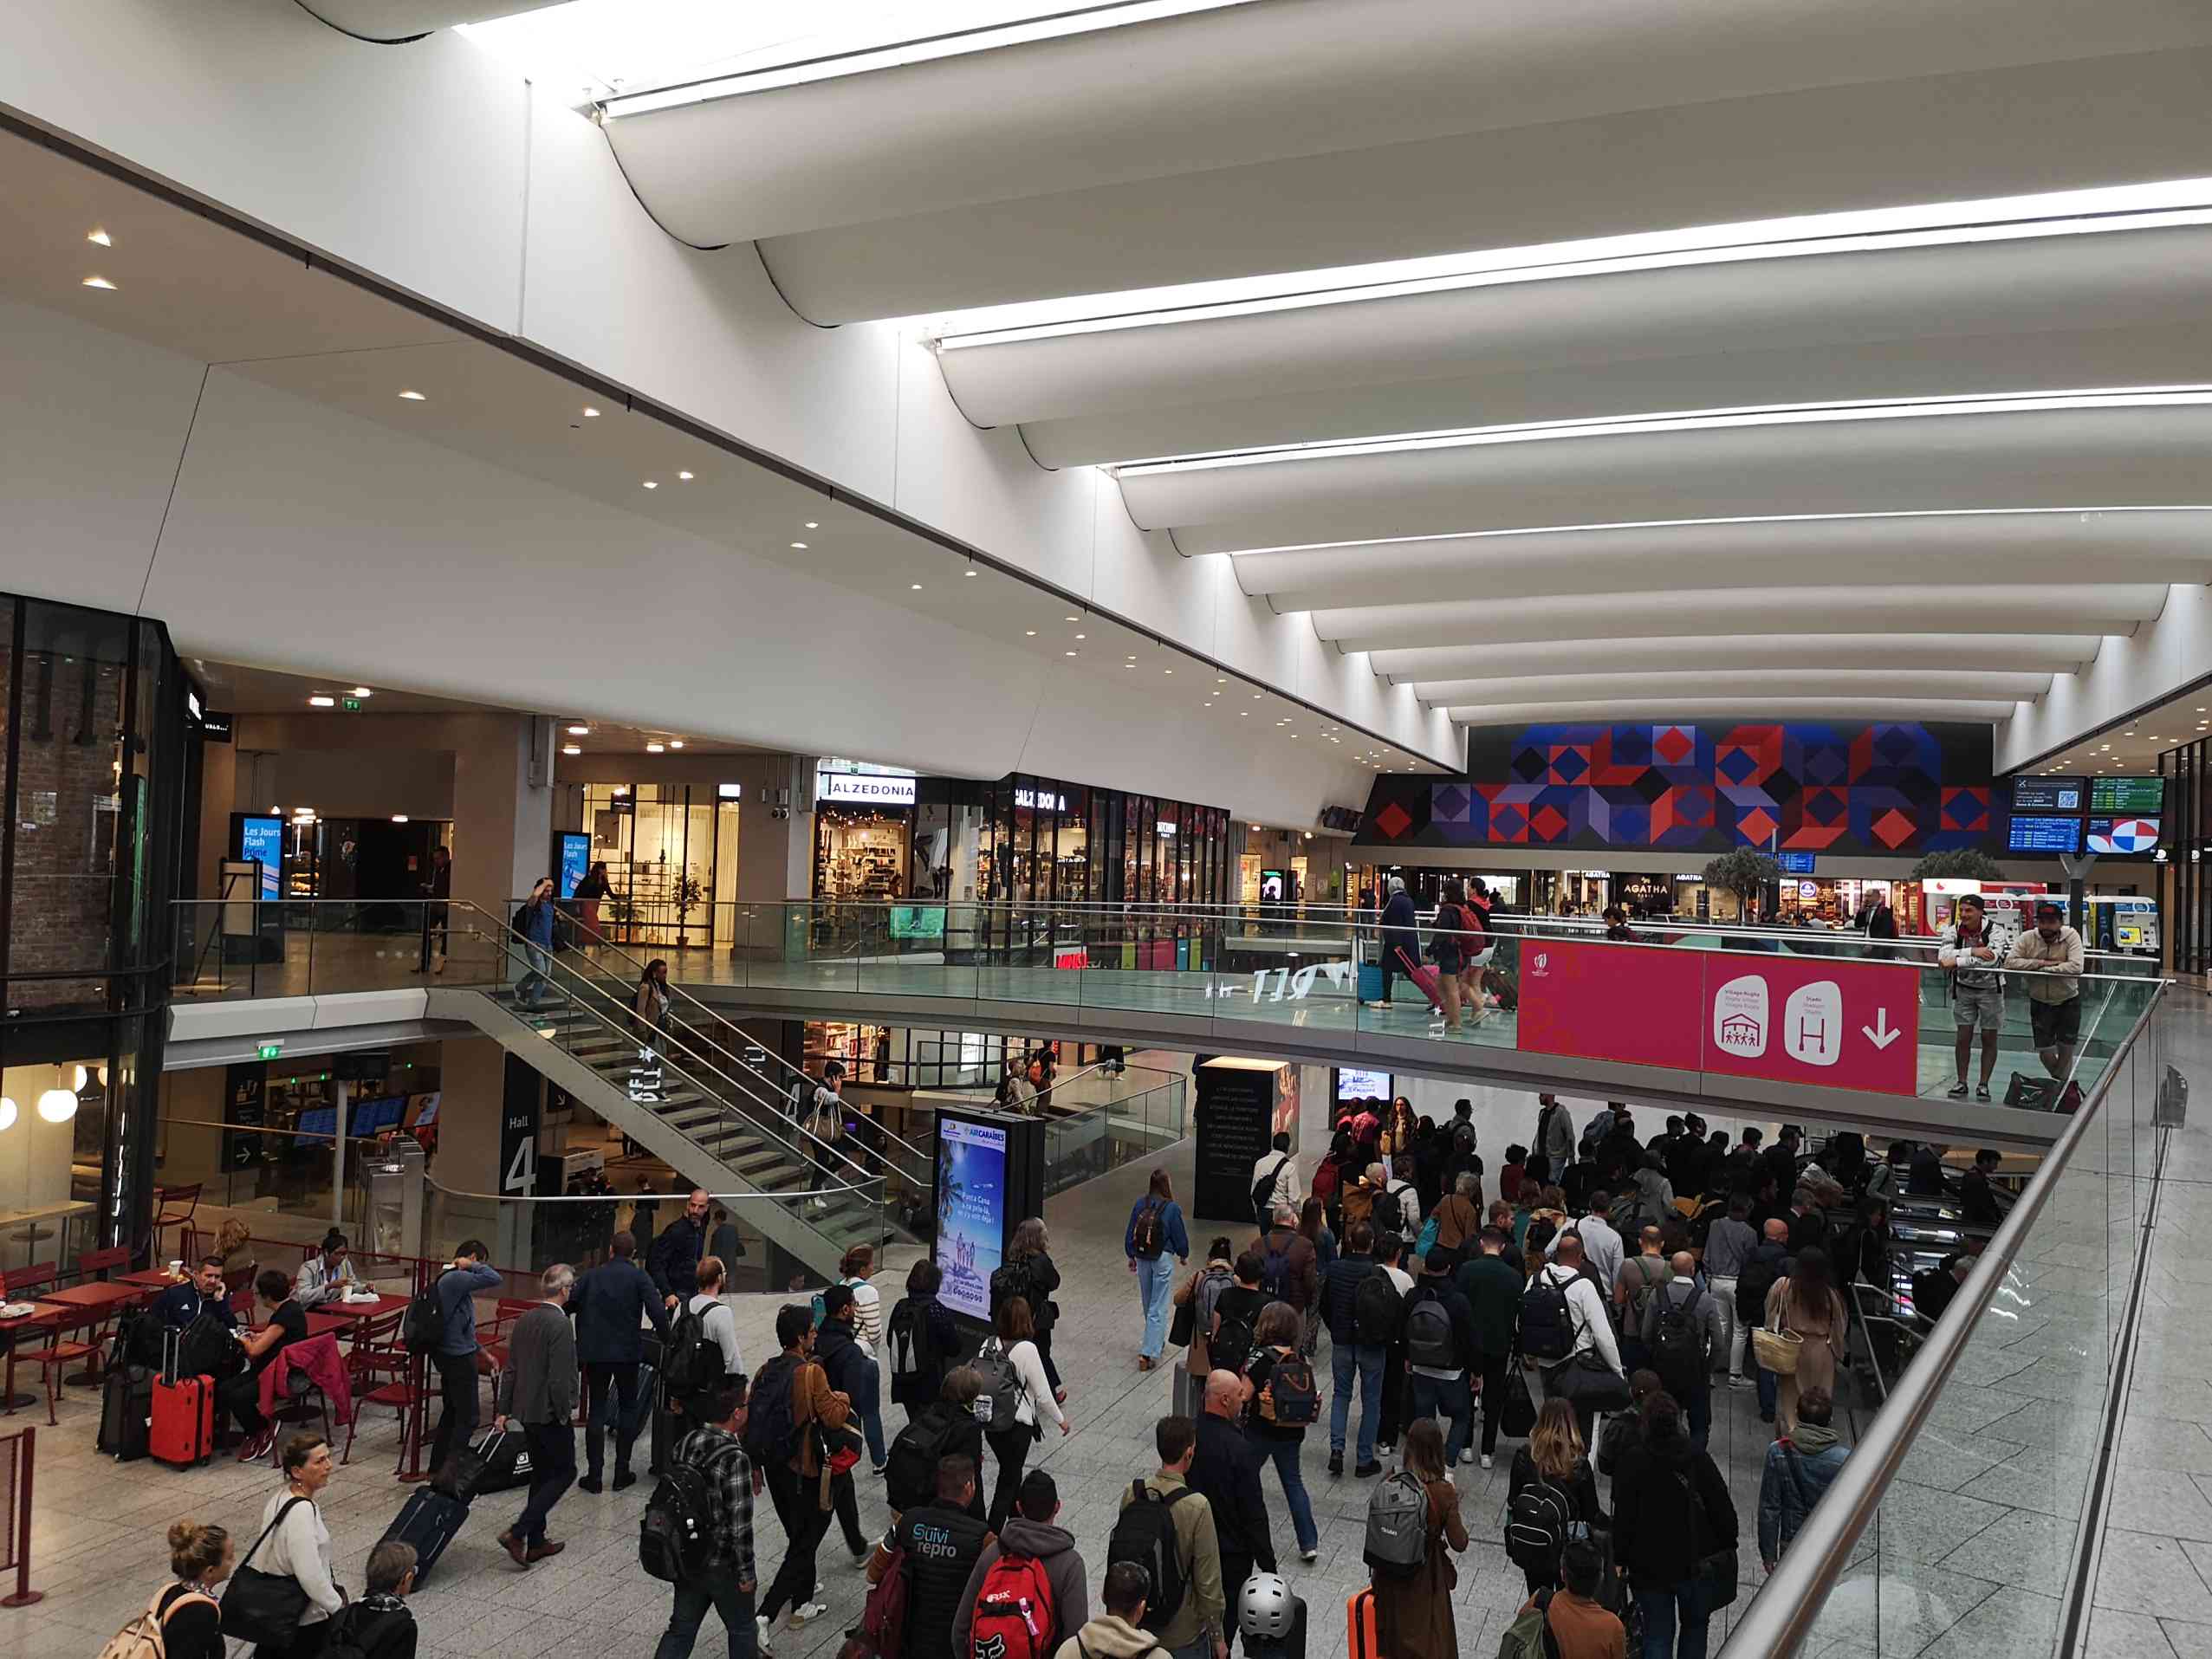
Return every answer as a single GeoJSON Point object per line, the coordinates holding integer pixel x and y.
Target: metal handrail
{"type": "Point", "coordinates": [1783, 1612]}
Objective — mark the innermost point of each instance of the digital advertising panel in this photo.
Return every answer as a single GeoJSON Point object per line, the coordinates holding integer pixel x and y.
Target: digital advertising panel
{"type": "Point", "coordinates": [264, 838]}
{"type": "Point", "coordinates": [2049, 794]}
{"type": "Point", "coordinates": [970, 1212]}
{"type": "Point", "coordinates": [2124, 838]}
{"type": "Point", "coordinates": [574, 859]}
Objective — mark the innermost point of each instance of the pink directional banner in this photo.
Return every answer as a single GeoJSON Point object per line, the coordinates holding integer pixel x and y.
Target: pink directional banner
{"type": "Point", "coordinates": [1638, 1004]}
{"type": "Point", "coordinates": [1842, 1025]}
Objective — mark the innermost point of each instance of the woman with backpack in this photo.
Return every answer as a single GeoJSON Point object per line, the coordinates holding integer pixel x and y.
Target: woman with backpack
{"type": "Point", "coordinates": [1675, 1531]}
{"type": "Point", "coordinates": [1553, 1474]}
{"type": "Point", "coordinates": [1155, 1233]}
{"type": "Point", "coordinates": [1199, 1292]}
{"type": "Point", "coordinates": [1030, 1256]}
{"type": "Point", "coordinates": [1277, 1419]}
{"type": "Point", "coordinates": [186, 1610]}
{"type": "Point", "coordinates": [921, 1341]}
{"type": "Point", "coordinates": [1012, 1373]}
{"type": "Point", "coordinates": [1313, 1228]}
{"type": "Point", "coordinates": [1806, 1304]}
{"type": "Point", "coordinates": [1413, 1616]}
{"type": "Point", "coordinates": [1451, 940]}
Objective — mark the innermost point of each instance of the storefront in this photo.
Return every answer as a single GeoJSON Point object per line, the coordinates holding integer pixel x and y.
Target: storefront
{"type": "Point", "coordinates": [671, 852]}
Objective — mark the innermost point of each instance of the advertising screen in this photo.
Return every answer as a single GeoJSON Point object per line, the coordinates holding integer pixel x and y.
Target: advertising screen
{"type": "Point", "coordinates": [2044, 835]}
{"type": "Point", "coordinates": [1795, 864]}
{"type": "Point", "coordinates": [970, 1213]}
{"type": "Point", "coordinates": [575, 859]}
{"type": "Point", "coordinates": [264, 838]}
{"type": "Point", "coordinates": [2050, 794]}
{"type": "Point", "coordinates": [1271, 887]}
{"type": "Point", "coordinates": [1363, 1085]}
{"type": "Point", "coordinates": [2127, 797]}
{"type": "Point", "coordinates": [2122, 837]}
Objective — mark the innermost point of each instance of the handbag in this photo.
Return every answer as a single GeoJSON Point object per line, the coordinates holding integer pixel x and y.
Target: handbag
{"type": "Point", "coordinates": [1715, 1576]}
{"type": "Point", "coordinates": [1776, 1350]}
{"type": "Point", "coordinates": [1185, 1324]}
{"type": "Point", "coordinates": [1588, 1383]}
{"type": "Point", "coordinates": [263, 1608]}
{"type": "Point", "coordinates": [1517, 1410]}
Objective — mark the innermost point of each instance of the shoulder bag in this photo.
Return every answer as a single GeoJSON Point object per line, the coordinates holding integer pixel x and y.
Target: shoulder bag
{"type": "Point", "coordinates": [265, 1608]}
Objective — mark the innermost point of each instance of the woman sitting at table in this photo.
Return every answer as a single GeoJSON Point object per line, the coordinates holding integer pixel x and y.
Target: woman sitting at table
{"type": "Point", "coordinates": [240, 1395]}
{"type": "Point", "coordinates": [327, 1275]}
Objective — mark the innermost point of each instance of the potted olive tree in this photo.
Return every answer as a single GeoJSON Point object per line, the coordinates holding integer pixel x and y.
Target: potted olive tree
{"type": "Point", "coordinates": [1746, 871]}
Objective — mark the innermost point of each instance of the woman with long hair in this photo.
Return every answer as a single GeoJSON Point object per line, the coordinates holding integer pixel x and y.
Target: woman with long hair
{"type": "Point", "coordinates": [1014, 1339]}
{"type": "Point", "coordinates": [649, 1003]}
{"type": "Point", "coordinates": [1275, 1338]}
{"type": "Point", "coordinates": [1807, 1302]}
{"type": "Point", "coordinates": [1556, 1455]}
{"type": "Point", "coordinates": [1313, 1228]}
{"type": "Point", "coordinates": [1031, 1253]}
{"type": "Point", "coordinates": [1155, 1233]}
{"type": "Point", "coordinates": [1413, 1614]}
{"type": "Point", "coordinates": [591, 887]}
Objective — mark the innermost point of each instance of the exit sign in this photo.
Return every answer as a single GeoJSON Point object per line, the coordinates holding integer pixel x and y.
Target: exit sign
{"type": "Point", "coordinates": [351, 705]}
{"type": "Point", "coordinates": [270, 1051]}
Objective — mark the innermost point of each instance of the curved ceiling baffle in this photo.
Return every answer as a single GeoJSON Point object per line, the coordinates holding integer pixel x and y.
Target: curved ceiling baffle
{"type": "Point", "coordinates": [397, 22]}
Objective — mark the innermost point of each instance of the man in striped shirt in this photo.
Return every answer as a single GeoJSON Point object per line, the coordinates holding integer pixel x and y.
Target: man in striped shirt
{"type": "Point", "coordinates": [727, 1585]}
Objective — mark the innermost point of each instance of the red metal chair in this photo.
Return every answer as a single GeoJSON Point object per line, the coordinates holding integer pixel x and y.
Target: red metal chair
{"type": "Point", "coordinates": [382, 1372]}
{"type": "Point", "coordinates": [173, 1207]}
{"type": "Point", "coordinates": [242, 1308]}
{"type": "Point", "coordinates": [51, 1358]}
{"type": "Point", "coordinates": [98, 1264]}
{"type": "Point", "coordinates": [19, 1283]}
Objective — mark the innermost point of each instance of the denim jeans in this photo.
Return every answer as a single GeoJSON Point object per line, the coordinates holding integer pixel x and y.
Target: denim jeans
{"type": "Point", "coordinates": [1660, 1608]}
{"type": "Point", "coordinates": [1432, 1395]}
{"type": "Point", "coordinates": [534, 980]}
{"type": "Point", "coordinates": [1283, 1454]}
{"type": "Point", "coordinates": [1769, 1389]}
{"type": "Point", "coordinates": [1697, 1406]}
{"type": "Point", "coordinates": [1367, 1358]}
{"type": "Point", "coordinates": [867, 1404]}
{"type": "Point", "coordinates": [719, 1591]}
{"type": "Point", "coordinates": [1155, 1283]}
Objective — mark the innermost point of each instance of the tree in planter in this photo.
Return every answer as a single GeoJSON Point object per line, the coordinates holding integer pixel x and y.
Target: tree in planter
{"type": "Point", "coordinates": [1958, 864]}
{"type": "Point", "coordinates": [622, 911]}
{"type": "Point", "coordinates": [1744, 873]}
{"type": "Point", "coordinates": [687, 898]}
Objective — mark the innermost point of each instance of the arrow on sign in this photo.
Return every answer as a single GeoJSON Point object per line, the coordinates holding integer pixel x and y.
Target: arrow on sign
{"type": "Point", "coordinates": [1881, 1033]}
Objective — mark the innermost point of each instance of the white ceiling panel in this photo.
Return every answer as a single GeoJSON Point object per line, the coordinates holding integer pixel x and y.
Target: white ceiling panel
{"type": "Point", "coordinates": [1961, 608]}
{"type": "Point", "coordinates": [2137, 455]}
{"type": "Point", "coordinates": [1432, 669]}
{"type": "Point", "coordinates": [403, 20]}
{"type": "Point", "coordinates": [2160, 546]}
{"type": "Point", "coordinates": [2075, 125]}
{"type": "Point", "coordinates": [1641, 710]}
{"type": "Point", "coordinates": [1934, 684]}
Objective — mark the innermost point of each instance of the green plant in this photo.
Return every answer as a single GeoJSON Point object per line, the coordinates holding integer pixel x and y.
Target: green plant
{"type": "Point", "coordinates": [686, 898]}
{"type": "Point", "coordinates": [1963, 862]}
{"type": "Point", "coordinates": [621, 909]}
{"type": "Point", "coordinates": [1743, 872]}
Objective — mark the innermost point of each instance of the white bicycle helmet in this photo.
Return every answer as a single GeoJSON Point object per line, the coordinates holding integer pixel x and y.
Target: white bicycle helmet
{"type": "Point", "coordinates": [1265, 1608]}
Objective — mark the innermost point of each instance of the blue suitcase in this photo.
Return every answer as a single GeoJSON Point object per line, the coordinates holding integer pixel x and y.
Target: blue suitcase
{"type": "Point", "coordinates": [429, 1522]}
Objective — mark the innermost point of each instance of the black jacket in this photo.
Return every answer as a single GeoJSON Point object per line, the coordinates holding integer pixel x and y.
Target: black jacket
{"type": "Point", "coordinates": [609, 1302]}
{"type": "Point", "coordinates": [677, 1253]}
{"type": "Point", "coordinates": [1977, 1200]}
{"type": "Point", "coordinates": [1225, 1470]}
{"type": "Point", "coordinates": [1671, 1509]}
{"type": "Point", "coordinates": [942, 1547]}
{"type": "Point", "coordinates": [843, 1360]}
{"type": "Point", "coordinates": [1583, 1488]}
{"type": "Point", "coordinates": [1340, 1290]}
{"type": "Point", "coordinates": [380, 1626]}
{"type": "Point", "coordinates": [1767, 1262]}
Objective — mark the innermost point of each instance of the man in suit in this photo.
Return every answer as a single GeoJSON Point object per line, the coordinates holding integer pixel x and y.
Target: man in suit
{"type": "Point", "coordinates": [609, 1306]}
{"type": "Point", "coordinates": [1225, 1472]}
{"type": "Point", "coordinates": [538, 1389]}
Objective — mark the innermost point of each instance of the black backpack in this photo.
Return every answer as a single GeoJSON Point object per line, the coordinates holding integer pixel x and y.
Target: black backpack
{"type": "Point", "coordinates": [1011, 1280]}
{"type": "Point", "coordinates": [1536, 1519]}
{"type": "Point", "coordinates": [1150, 1231]}
{"type": "Point", "coordinates": [1678, 1344]}
{"type": "Point", "coordinates": [1547, 1318]}
{"type": "Point", "coordinates": [1275, 1275]}
{"type": "Point", "coordinates": [912, 1357]}
{"type": "Point", "coordinates": [421, 1327]}
{"type": "Point", "coordinates": [771, 1437]}
{"type": "Point", "coordinates": [1263, 1189]}
{"type": "Point", "coordinates": [1291, 1399]}
{"type": "Point", "coordinates": [676, 1534]}
{"type": "Point", "coordinates": [910, 1466]}
{"type": "Point", "coordinates": [1145, 1534]}
{"type": "Point", "coordinates": [693, 1359]}
{"type": "Point", "coordinates": [1427, 1332]}
{"type": "Point", "coordinates": [1375, 1308]}
{"type": "Point", "coordinates": [1231, 1344]}
{"type": "Point", "coordinates": [1752, 1285]}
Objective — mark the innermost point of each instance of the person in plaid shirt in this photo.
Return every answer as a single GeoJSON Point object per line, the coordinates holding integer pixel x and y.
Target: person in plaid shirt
{"type": "Point", "coordinates": [727, 1583]}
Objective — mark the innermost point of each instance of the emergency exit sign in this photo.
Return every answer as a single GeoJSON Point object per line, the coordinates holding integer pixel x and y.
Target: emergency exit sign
{"type": "Point", "coordinates": [351, 705]}
{"type": "Point", "coordinates": [270, 1051]}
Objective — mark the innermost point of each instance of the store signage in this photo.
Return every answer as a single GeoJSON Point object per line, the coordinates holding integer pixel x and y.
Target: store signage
{"type": "Point", "coordinates": [1841, 1024]}
{"type": "Point", "coordinates": [729, 791]}
{"type": "Point", "coordinates": [867, 788]}
{"type": "Point", "coordinates": [1045, 802]}
{"type": "Point", "coordinates": [1283, 984]}
{"type": "Point", "coordinates": [1165, 828]}
{"type": "Point", "coordinates": [351, 705]}
{"type": "Point", "coordinates": [215, 728]}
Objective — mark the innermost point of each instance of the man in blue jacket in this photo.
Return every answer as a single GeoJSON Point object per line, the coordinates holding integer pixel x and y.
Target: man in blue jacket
{"type": "Point", "coordinates": [1401, 925]}
{"type": "Point", "coordinates": [610, 1304]}
{"type": "Point", "coordinates": [456, 1357]}
{"type": "Point", "coordinates": [179, 1305]}
{"type": "Point", "coordinates": [1799, 1470]}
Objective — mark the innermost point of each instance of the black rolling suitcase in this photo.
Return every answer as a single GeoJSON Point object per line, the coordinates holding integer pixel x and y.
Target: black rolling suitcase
{"type": "Point", "coordinates": [126, 1413]}
{"type": "Point", "coordinates": [428, 1522]}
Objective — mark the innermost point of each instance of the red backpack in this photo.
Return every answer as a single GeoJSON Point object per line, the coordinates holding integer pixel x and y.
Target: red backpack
{"type": "Point", "coordinates": [1325, 1180]}
{"type": "Point", "coordinates": [881, 1633]}
{"type": "Point", "coordinates": [1015, 1615]}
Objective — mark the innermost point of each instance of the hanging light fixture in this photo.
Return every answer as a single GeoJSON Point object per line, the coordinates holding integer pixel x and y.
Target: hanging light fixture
{"type": "Point", "coordinates": [57, 1106]}
{"type": "Point", "coordinates": [6, 1114]}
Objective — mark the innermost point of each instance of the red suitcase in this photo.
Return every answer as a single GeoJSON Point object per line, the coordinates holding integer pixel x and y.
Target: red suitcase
{"type": "Point", "coordinates": [1359, 1617]}
{"type": "Point", "coordinates": [182, 1431]}
{"type": "Point", "coordinates": [1424, 975]}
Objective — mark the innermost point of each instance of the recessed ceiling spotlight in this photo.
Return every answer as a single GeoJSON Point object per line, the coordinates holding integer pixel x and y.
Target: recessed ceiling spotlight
{"type": "Point", "coordinates": [676, 742]}
{"type": "Point", "coordinates": [363, 691]}
{"type": "Point", "coordinates": [798, 546]}
{"type": "Point", "coordinates": [408, 396]}
{"type": "Point", "coordinates": [686, 477]}
{"type": "Point", "coordinates": [97, 235]}
{"type": "Point", "coordinates": [1167, 670]}
{"type": "Point", "coordinates": [1076, 618]}
{"type": "Point", "coordinates": [972, 570]}
{"type": "Point", "coordinates": [655, 749]}
{"type": "Point", "coordinates": [1071, 653]}
{"type": "Point", "coordinates": [590, 413]}
{"type": "Point", "coordinates": [571, 749]}
{"type": "Point", "coordinates": [398, 818]}
{"type": "Point", "coordinates": [1082, 636]}
{"type": "Point", "coordinates": [810, 524]}
{"type": "Point", "coordinates": [321, 701]}
{"type": "Point", "coordinates": [98, 282]}
{"type": "Point", "coordinates": [1031, 633]}
{"type": "Point", "coordinates": [653, 484]}
{"type": "Point", "coordinates": [580, 731]}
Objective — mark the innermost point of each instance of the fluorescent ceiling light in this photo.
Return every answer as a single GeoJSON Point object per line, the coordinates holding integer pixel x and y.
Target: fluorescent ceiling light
{"type": "Point", "coordinates": [1686, 421]}
{"type": "Point", "coordinates": [100, 282]}
{"type": "Point", "coordinates": [2161, 205]}
{"type": "Point", "coordinates": [701, 49]}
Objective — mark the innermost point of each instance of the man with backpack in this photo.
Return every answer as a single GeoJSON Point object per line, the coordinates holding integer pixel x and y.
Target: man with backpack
{"type": "Point", "coordinates": [711, 1482]}
{"type": "Point", "coordinates": [453, 1344]}
{"type": "Point", "coordinates": [1577, 1623]}
{"type": "Point", "coordinates": [1683, 1334]}
{"type": "Point", "coordinates": [934, 1432]}
{"type": "Point", "coordinates": [1563, 1314]}
{"type": "Point", "coordinates": [1275, 1180]}
{"type": "Point", "coordinates": [1120, 1634]}
{"type": "Point", "coordinates": [1633, 1288]}
{"type": "Point", "coordinates": [791, 1402]}
{"type": "Point", "coordinates": [1439, 1352]}
{"type": "Point", "coordinates": [1167, 1527]}
{"type": "Point", "coordinates": [1357, 1348]}
{"type": "Point", "coordinates": [936, 1546]}
{"type": "Point", "coordinates": [1601, 1245]}
{"type": "Point", "coordinates": [1034, 1561]}
{"type": "Point", "coordinates": [1290, 1268]}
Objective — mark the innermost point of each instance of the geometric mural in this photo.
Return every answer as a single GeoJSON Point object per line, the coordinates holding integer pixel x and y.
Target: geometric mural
{"type": "Point", "coordinates": [1902, 788]}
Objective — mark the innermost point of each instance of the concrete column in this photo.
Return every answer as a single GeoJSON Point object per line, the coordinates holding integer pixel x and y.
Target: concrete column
{"type": "Point", "coordinates": [472, 1082]}
{"type": "Point", "coordinates": [502, 810]}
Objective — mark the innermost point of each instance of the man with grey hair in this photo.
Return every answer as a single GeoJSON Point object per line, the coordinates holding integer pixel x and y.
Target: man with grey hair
{"type": "Point", "coordinates": [1226, 1473]}
{"type": "Point", "coordinates": [538, 1389]}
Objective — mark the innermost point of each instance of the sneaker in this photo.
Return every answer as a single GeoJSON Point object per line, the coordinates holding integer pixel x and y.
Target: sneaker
{"type": "Point", "coordinates": [879, 1469]}
{"type": "Point", "coordinates": [1956, 1092]}
{"type": "Point", "coordinates": [592, 1484]}
{"type": "Point", "coordinates": [1366, 1469]}
{"type": "Point", "coordinates": [1309, 1556]}
{"type": "Point", "coordinates": [861, 1558]}
{"type": "Point", "coordinates": [624, 1479]}
{"type": "Point", "coordinates": [1387, 1449]}
{"type": "Point", "coordinates": [1739, 1382]}
{"type": "Point", "coordinates": [1336, 1462]}
{"type": "Point", "coordinates": [760, 1635]}
{"type": "Point", "coordinates": [1981, 1092]}
{"type": "Point", "coordinates": [806, 1614]}
{"type": "Point", "coordinates": [1487, 1459]}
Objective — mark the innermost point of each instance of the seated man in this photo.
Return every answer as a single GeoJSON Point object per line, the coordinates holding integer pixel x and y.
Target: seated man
{"type": "Point", "coordinates": [179, 1305]}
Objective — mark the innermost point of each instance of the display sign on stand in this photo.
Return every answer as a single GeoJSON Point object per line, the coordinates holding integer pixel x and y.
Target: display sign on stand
{"type": "Point", "coordinates": [572, 860]}
{"type": "Point", "coordinates": [1241, 1105]}
{"type": "Point", "coordinates": [989, 1177]}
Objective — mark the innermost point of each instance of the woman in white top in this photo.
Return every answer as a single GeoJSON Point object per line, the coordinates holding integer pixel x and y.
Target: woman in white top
{"type": "Point", "coordinates": [300, 1548]}
{"type": "Point", "coordinates": [1015, 1336]}
{"type": "Point", "coordinates": [867, 1328]}
{"type": "Point", "coordinates": [717, 1319]}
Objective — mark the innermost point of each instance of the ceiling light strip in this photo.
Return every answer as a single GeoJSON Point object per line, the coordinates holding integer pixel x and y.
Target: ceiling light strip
{"type": "Point", "coordinates": [1684, 421]}
{"type": "Point", "coordinates": [2163, 204]}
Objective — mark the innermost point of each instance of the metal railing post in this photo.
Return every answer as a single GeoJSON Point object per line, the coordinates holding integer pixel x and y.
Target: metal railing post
{"type": "Point", "coordinates": [27, 1465]}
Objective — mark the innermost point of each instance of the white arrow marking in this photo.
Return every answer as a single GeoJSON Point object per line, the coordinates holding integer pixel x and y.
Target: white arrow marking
{"type": "Point", "coordinates": [1880, 1034]}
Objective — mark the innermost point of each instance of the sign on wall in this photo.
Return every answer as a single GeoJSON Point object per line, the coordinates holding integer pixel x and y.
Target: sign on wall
{"type": "Point", "coordinates": [863, 789]}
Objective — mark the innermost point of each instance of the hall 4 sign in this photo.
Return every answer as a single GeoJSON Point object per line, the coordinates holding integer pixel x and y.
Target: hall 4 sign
{"type": "Point", "coordinates": [1834, 1023]}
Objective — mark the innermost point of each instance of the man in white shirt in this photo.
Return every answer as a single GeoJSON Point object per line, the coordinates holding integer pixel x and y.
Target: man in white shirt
{"type": "Point", "coordinates": [1586, 1306]}
{"type": "Point", "coordinates": [718, 1320]}
{"type": "Point", "coordinates": [1279, 1165]}
{"type": "Point", "coordinates": [1601, 1245]}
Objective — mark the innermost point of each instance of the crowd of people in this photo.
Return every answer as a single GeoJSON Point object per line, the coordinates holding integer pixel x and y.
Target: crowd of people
{"type": "Point", "coordinates": [1584, 1302]}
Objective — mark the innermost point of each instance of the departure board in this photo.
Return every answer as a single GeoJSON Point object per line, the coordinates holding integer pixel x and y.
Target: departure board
{"type": "Point", "coordinates": [2044, 834]}
{"type": "Point", "coordinates": [2130, 795]}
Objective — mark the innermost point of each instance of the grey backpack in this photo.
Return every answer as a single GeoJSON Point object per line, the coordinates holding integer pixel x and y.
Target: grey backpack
{"type": "Point", "coordinates": [1398, 1525]}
